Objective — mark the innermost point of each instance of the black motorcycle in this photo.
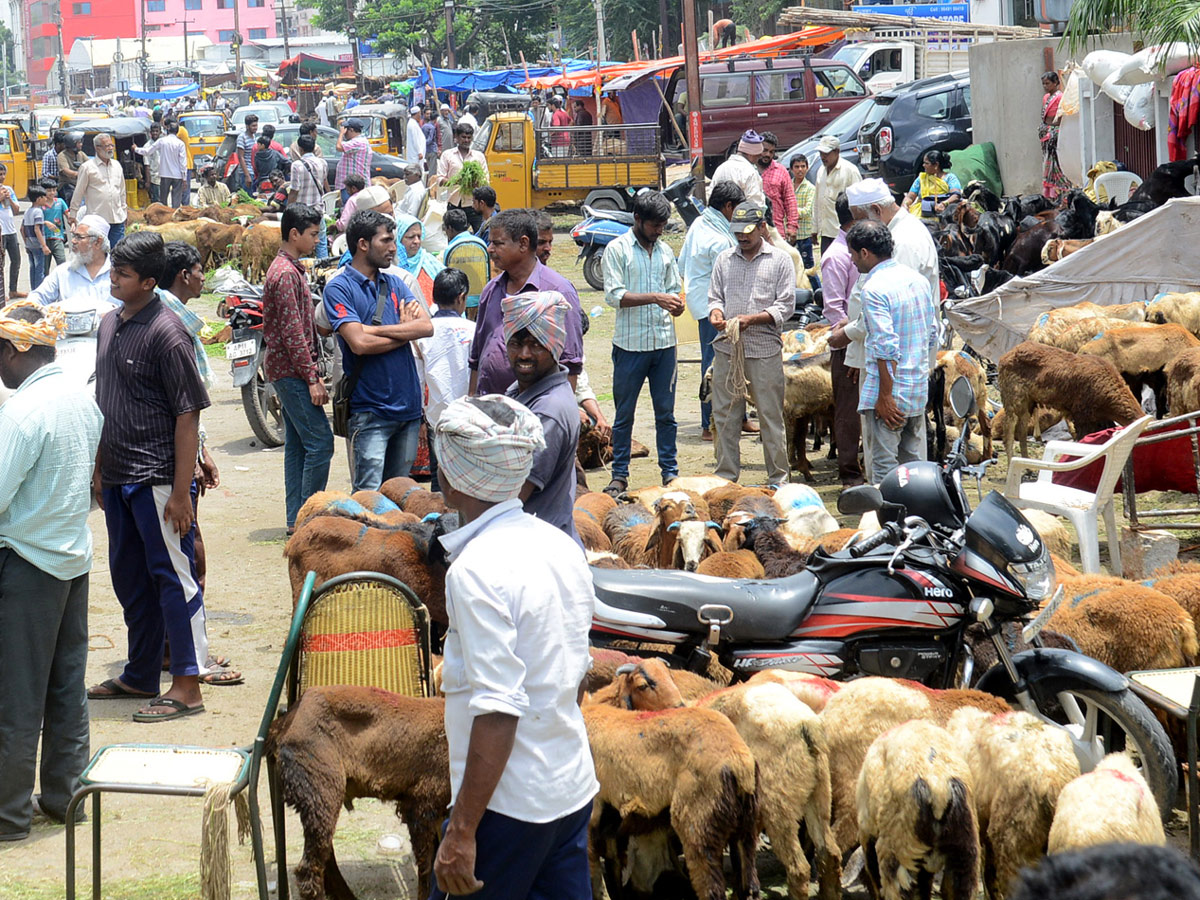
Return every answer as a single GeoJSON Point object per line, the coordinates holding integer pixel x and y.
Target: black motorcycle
{"type": "Point", "coordinates": [898, 604]}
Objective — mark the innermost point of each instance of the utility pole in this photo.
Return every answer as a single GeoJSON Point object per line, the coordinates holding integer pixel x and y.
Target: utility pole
{"type": "Point", "coordinates": [448, 5]}
{"type": "Point", "coordinates": [145, 82]}
{"type": "Point", "coordinates": [287, 50]}
{"type": "Point", "coordinates": [186, 60]}
{"type": "Point", "coordinates": [237, 44]}
{"type": "Point", "coordinates": [691, 55]}
{"type": "Point", "coordinates": [601, 43]}
{"type": "Point", "coordinates": [4, 53]}
{"type": "Point", "coordinates": [62, 62]}
{"type": "Point", "coordinates": [664, 27]}
{"type": "Point", "coordinates": [352, 34]}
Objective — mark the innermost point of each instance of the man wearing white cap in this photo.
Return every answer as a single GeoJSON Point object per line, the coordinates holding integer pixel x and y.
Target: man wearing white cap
{"type": "Point", "coordinates": [834, 175]}
{"type": "Point", "coordinates": [872, 199]}
{"type": "Point", "coordinates": [519, 600]}
{"type": "Point", "coordinates": [83, 282]}
{"type": "Point", "coordinates": [414, 138]}
{"type": "Point", "coordinates": [742, 168]}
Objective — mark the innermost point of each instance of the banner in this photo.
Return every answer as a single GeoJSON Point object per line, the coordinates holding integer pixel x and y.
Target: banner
{"type": "Point", "coordinates": [947, 12]}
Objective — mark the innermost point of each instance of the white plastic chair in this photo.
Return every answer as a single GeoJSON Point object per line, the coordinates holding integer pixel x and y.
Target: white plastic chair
{"type": "Point", "coordinates": [1117, 186]}
{"type": "Point", "coordinates": [330, 201]}
{"type": "Point", "coordinates": [1081, 507]}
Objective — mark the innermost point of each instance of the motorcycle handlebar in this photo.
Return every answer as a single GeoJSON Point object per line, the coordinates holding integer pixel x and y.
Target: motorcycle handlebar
{"type": "Point", "coordinates": [878, 539]}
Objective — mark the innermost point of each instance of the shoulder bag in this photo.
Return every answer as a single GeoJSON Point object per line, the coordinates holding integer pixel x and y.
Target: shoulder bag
{"type": "Point", "coordinates": [345, 388]}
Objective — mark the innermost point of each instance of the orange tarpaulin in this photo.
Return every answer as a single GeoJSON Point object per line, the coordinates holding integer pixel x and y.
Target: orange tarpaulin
{"type": "Point", "coordinates": [766, 46]}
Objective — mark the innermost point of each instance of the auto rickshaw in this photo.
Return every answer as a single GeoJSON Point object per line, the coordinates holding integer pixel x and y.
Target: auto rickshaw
{"type": "Point", "coordinates": [205, 131]}
{"type": "Point", "coordinates": [45, 120]}
{"type": "Point", "coordinates": [127, 132]}
{"type": "Point", "coordinates": [73, 117]}
{"type": "Point", "coordinates": [383, 125]}
{"type": "Point", "coordinates": [14, 153]}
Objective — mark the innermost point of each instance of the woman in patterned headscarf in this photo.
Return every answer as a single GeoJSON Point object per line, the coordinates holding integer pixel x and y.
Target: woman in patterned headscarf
{"type": "Point", "coordinates": [414, 258]}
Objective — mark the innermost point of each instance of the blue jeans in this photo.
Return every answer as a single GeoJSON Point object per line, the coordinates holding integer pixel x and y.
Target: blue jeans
{"type": "Point", "coordinates": [322, 239]}
{"type": "Point", "coordinates": [632, 369]}
{"type": "Point", "coordinates": [381, 449]}
{"type": "Point", "coordinates": [708, 334]}
{"type": "Point", "coordinates": [116, 233]}
{"type": "Point", "coordinates": [805, 246]}
{"type": "Point", "coordinates": [37, 267]}
{"type": "Point", "coordinates": [307, 445]}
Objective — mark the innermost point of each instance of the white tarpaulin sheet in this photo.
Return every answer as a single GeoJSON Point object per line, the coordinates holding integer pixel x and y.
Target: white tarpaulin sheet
{"type": "Point", "coordinates": [1152, 254]}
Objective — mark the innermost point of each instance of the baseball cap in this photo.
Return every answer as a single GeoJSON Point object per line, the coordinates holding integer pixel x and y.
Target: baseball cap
{"type": "Point", "coordinates": [828, 144]}
{"type": "Point", "coordinates": [747, 216]}
{"type": "Point", "coordinates": [356, 124]}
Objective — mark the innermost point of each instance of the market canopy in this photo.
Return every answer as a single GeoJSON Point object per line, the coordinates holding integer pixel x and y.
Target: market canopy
{"type": "Point", "coordinates": [635, 71]}
{"type": "Point", "coordinates": [509, 80]}
{"type": "Point", "coordinates": [306, 67]}
{"type": "Point", "coordinates": [170, 93]}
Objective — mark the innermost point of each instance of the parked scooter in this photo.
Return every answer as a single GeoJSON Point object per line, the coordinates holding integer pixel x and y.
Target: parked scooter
{"type": "Point", "coordinates": [898, 604]}
{"type": "Point", "coordinates": [600, 227]}
{"type": "Point", "coordinates": [75, 351]}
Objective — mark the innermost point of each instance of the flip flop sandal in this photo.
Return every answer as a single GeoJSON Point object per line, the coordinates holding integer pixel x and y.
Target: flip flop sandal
{"type": "Point", "coordinates": [114, 690]}
{"type": "Point", "coordinates": [213, 662]}
{"type": "Point", "coordinates": [181, 710]}
{"type": "Point", "coordinates": [223, 678]}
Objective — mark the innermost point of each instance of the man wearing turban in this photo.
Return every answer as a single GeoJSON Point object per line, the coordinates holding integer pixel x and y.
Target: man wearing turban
{"type": "Point", "coordinates": [535, 333]}
{"type": "Point", "coordinates": [519, 599]}
{"type": "Point", "coordinates": [49, 433]}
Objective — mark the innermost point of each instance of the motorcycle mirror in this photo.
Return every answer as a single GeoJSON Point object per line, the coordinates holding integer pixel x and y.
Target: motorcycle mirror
{"type": "Point", "coordinates": [858, 500]}
{"type": "Point", "coordinates": [962, 397]}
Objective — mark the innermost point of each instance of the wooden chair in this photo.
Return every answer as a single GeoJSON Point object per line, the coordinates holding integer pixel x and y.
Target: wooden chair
{"type": "Point", "coordinates": [364, 629]}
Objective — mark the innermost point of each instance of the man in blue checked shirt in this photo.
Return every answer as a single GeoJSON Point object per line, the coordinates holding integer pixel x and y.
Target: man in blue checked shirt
{"type": "Point", "coordinates": [641, 281]}
{"type": "Point", "coordinates": [901, 330]}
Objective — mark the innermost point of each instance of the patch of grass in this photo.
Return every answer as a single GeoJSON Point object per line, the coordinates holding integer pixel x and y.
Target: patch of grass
{"type": "Point", "coordinates": [217, 351]}
{"type": "Point", "coordinates": [156, 887]}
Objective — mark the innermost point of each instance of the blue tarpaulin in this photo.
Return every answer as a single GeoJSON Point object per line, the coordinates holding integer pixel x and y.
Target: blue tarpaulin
{"type": "Point", "coordinates": [168, 94]}
{"type": "Point", "coordinates": [461, 80]}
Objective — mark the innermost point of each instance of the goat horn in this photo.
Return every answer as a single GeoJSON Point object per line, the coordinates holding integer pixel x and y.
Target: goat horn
{"type": "Point", "coordinates": [674, 526]}
{"type": "Point", "coordinates": [432, 517]}
{"type": "Point", "coordinates": [711, 524]}
{"type": "Point", "coordinates": [627, 669]}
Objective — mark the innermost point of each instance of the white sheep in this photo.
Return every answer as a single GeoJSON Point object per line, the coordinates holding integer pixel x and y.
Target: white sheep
{"type": "Point", "coordinates": [805, 512]}
{"type": "Point", "coordinates": [1110, 804]}
{"type": "Point", "coordinates": [915, 815]}
{"type": "Point", "coordinates": [1019, 765]}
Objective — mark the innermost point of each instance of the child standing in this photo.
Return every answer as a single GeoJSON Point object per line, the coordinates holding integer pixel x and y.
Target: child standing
{"type": "Point", "coordinates": [32, 228]}
{"type": "Point", "coordinates": [56, 222]}
{"type": "Point", "coordinates": [10, 243]}
{"type": "Point", "coordinates": [442, 358]}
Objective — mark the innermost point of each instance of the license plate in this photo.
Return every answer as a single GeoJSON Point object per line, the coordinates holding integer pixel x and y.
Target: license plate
{"type": "Point", "coordinates": [1030, 631]}
{"type": "Point", "coordinates": [81, 322]}
{"type": "Point", "coordinates": [239, 349]}
{"type": "Point", "coordinates": [864, 153]}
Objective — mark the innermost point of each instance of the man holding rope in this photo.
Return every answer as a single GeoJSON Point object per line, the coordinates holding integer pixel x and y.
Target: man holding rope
{"type": "Point", "coordinates": [751, 295]}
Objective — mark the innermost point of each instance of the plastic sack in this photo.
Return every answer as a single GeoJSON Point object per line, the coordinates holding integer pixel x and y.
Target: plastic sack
{"type": "Point", "coordinates": [1139, 107]}
{"type": "Point", "coordinates": [1155, 64]}
{"type": "Point", "coordinates": [1099, 64]}
{"type": "Point", "coordinates": [1069, 105]}
{"type": "Point", "coordinates": [1119, 92]}
{"type": "Point", "coordinates": [435, 239]}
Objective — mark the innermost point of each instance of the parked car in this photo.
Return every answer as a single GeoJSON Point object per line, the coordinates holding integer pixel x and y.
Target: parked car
{"type": "Point", "coordinates": [273, 112]}
{"type": "Point", "coordinates": [226, 159]}
{"type": "Point", "coordinates": [906, 123]}
{"type": "Point", "coordinates": [844, 126]}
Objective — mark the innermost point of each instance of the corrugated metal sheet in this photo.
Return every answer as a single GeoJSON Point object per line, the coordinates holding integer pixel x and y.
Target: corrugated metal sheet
{"type": "Point", "coordinates": [1135, 148]}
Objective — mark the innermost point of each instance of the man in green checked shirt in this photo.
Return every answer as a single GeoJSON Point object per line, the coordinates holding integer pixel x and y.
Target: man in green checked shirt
{"type": "Point", "coordinates": [806, 198]}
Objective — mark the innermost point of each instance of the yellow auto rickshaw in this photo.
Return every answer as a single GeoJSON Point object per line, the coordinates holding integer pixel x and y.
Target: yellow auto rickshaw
{"type": "Point", "coordinates": [80, 115]}
{"type": "Point", "coordinates": [45, 120]}
{"type": "Point", "coordinates": [14, 153]}
{"type": "Point", "coordinates": [383, 124]}
{"type": "Point", "coordinates": [205, 132]}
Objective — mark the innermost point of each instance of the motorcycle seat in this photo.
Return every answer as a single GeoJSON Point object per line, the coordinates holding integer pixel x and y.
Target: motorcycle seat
{"type": "Point", "coordinates": [763, 610]}
{"type": "Point", "coordinates": [613, 215]}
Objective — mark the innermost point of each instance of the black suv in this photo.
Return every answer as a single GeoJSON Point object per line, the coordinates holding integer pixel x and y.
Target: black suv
{"type": "Point", "coordinates": [909, 121]}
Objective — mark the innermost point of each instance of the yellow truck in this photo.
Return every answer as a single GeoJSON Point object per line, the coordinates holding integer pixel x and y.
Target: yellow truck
{"type": "Point", "coordinates": [602, 166]}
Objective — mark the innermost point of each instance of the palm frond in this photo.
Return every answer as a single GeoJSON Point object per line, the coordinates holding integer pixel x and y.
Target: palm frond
{"type": "Point", "coordinates": [1152, 21]}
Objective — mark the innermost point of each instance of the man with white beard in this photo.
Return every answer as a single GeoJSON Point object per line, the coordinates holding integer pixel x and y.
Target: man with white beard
{"type": "Point", "coordinates": [84, 279]}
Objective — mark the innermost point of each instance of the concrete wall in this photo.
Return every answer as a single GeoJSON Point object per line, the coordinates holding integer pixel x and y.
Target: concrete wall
{"type": "Point", "coordinates": [1006, 100]}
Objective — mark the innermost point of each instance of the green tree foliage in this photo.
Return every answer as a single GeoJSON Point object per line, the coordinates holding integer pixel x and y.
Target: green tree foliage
{"type": "Point", "coordinates": [621, 19]}
{"type": "Point", "coordinates": [1153, 21]}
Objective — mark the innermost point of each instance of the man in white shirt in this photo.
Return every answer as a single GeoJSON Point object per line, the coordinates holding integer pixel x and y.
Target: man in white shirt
{"type": "Point", "coordinates": [834, 175]}
{"type": "Point", "coordinates": [101, 188]}
{"type": "Point", "coordinates": [469, 116]}
{"type": "Point", "coordinates": [414, 138]}
{"type": "Point", "coordinates": [450, 163]}
{"type": "Point", "coordinates": [742, 169]}
{"type": "Point", "coordinates": [83, 283]}
{"type": "Point", "coordinates": [519, 600]}
{"type": "Point", "coordinates": [414, 196]}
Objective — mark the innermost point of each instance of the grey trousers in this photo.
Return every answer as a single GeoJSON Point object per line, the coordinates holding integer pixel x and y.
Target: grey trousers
{"type": "Point", "coordinates": [43, 663]}
{"type": "Point", "coordinates": [765, 381]}
{"type": "Point", "coordinates": [885, 448]}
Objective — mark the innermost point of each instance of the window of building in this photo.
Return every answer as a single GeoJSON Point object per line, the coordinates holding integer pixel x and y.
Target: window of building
{"type": "Point", "coordinates": [256, 4]}
{"type": "Point", "coordinates": [156, 5]}
{"type": "Point", "coordinates": [192, 4]}
{"type": "Point", "coordinates": [225, 36]}
{"type": "Point", "coordinates": [81, 9]}
{"type": "Point", "coordinates": [258, 34]}
{"type": "Point", "coordinates": [224, 4]}
{"type": "Point", "coordinates": [39, 13]}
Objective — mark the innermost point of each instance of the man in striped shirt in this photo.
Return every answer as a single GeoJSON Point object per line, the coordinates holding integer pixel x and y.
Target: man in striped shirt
{"type": "Point", "coordinates": [753, 283]}
{"type": "Point", "coordinates": [641, 281]}
{"type": "Point", "coordinates": [50, 157]}
{"type": "Point", "coordinates": [356, 156]}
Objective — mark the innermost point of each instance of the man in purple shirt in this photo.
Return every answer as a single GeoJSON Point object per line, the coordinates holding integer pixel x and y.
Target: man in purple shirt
{"type": "Point", "coordinates": [512, 247]}
{"type": "Point", "coordinates": [838, 277]}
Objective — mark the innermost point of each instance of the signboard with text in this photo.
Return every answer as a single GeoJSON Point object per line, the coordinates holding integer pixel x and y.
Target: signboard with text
{"type": "Point", "coordinates": [696, 134]}
{"type": "Point", "coordinates": [947, 12]}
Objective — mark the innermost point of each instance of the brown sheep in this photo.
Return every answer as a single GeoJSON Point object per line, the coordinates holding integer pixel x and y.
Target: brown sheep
{"type": "Point", "coordinates": [186, 214]}
{"type": "Point", "coordinates": [807, 393]}
{"type": "Point", "coordinates": [721, 500]}
{"type": "Point", "coordinates": [590, 533]}
{"type": "Point", "coordinates": [956, 364]}
{"type": "Point", "coordinates": [174, 231]}
{"type": "Point", "coordinates": [629, 527]}
{"type": "Point", "coordinates": [596, 504]}
{"type": "Point", "coordinates": [1087, 389]}
{"type": "Point", "coordinates": [813, 690]}
{"type": "Point", "coordinates": [157, 214]}
{"type": "Point", "coordinates": [732, 564]}
{"type": "Point", "coordinates": [414, 498]}
{"type": "Point", "coordinates": [335, 503]}
{"type": "Point", "coordinates": [864, 709]}
{"type": "Point", "coordinates": [670, 509]}
{"type": "Point", "coordinates": [216, 242]}
{"type": "Point", "coordinates": [1183, 382]}
{"type": "Point", "coordinates": [331, 545]}
{"type": "Point", "coordinates": [1125, 625]}
{"type": "Point", "coordinates": [259, 245]}
{"type": "Point", "coordinates": [1141, 354]}
{"type": "Point", "coordinates": [1042, 419]}
{"type": "Point", "coordinates": [1182, 309]}
{"type": "Point", "coordinates": [747, 507]}
{"type": "Point", "coordinates": [605, 560]}
{"type": "Point", "coordinates": [341, 743]}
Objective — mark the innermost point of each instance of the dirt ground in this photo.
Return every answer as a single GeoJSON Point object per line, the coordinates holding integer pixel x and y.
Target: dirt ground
{"type": "Point", "coordinates": [151, 847]}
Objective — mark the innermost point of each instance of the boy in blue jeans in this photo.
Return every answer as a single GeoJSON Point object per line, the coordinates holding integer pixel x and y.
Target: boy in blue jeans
{"type": "Point", "coordinates": [32, 228]}
{"type": "Point", "coordinates": [56, 222]}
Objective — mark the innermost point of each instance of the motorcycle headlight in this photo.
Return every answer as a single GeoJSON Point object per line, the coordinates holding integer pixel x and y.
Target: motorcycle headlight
{"type": "Point", "coordinates": [1036, 578]}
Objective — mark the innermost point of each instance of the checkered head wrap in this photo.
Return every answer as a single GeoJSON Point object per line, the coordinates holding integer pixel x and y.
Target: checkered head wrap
{"type": "Point", "coordinates": [485, 446]}
{"type": "Point", "coordinates": [543, 313]}
{"type": "Point", "coordinates": [22, 334]}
